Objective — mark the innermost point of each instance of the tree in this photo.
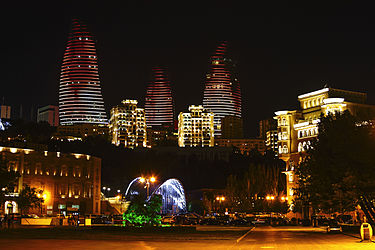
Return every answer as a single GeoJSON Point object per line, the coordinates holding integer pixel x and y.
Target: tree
{"type": "Point", "coordinates": [8, 180]}
{"type": "Point", "coordinates": [143, 213]}
{"type": "Point", "coordinates": [339, 166]}
{"type": "Point", "coordinates": [262, 177]}
{"type": "Point", "coordinates": [29, 198]}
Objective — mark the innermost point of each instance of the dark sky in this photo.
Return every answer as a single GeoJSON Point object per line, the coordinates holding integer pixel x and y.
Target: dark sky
{"type": "Point", "coordinates": [282, 50]}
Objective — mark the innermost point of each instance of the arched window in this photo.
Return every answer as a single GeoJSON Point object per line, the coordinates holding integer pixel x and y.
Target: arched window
{"type": "Point", "coordinates": [300, 147]}
{"type": "Point", "coordinates": [283, 121]}
{"type": "Point", "coordinates": [304, 146]}
{"type": "Point", "coordinates": [285, 149]}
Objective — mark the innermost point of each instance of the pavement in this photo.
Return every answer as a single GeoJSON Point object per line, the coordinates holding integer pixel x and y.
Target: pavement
{"type": "Point", "coordinates": [206, 237]}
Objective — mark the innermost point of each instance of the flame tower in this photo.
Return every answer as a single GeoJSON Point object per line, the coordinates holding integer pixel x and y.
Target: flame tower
{"type": "Point", "coordinates": [222, 93]}
{"type": "Point", "coordinates": [80, 95]}
{"type": "Point", "coordinates": [159, 106]}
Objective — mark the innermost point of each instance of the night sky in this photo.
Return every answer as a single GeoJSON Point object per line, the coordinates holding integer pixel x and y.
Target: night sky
{"type": "Point", "coordinates": [282, 50]}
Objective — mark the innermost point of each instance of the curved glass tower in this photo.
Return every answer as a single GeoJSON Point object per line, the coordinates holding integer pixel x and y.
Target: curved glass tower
{"type": "Point", "coordinates": [222, 93]}
{"type": "Point", "coordinates": [80, 95]}
{"type": "Point", "coordinates": [159, 106]}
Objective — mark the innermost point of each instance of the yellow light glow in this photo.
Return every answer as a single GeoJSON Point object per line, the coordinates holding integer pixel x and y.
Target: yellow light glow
{"type": "Point", "coordinates": [152, 179]}
{"type": "Point", "coordinates": [217, 198]}
{"type": "Point", "coordinates": [223, 198]}
{"type": "Point", "coordinates": [142, 180]}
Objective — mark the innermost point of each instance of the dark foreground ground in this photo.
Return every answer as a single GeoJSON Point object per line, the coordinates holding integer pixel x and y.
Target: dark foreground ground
{"type": "Point", "coordinates": [206, 237]}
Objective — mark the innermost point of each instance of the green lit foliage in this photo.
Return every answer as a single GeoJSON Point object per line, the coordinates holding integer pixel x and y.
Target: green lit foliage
{"type": "Point", "coordinates": [339, 167]}
{"type": "Point", "coordinates": [28, 198]}
{"type": "Point", "coordinates": [143, 213]}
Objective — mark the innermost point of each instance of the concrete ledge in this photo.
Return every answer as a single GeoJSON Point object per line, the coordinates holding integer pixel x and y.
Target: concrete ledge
{"type": "Point", "coordinates": [36, 222]}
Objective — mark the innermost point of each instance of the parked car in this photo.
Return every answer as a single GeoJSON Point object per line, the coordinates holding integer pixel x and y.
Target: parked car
{"type": "Point", "coordinates": [209, 221]}
{"type": "Point", "coordinates": [167, 219]}
{"type": "Point", "coordinates": [333, 226]}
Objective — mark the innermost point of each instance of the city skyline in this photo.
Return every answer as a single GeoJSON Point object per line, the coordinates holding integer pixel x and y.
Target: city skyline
{"type": "Point", "coordinates": [279, 52]}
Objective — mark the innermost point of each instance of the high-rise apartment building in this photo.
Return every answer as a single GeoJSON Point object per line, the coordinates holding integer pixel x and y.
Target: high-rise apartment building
{"type": "Point", "coordinates": [196, 128]}
{"type": "Point", "coordinates": [128, 125]}
{"type": "Point", "coordinates": [80, 95]}
{"type": "Point", "coordinates": [5, 112]}
{"type": "Point", "coordinates": [159, 106]}
{"type": "Point", "coordinates": [222, 93]}
{"type": "Point", "coordinates": [266, 125]}
{"type": "Point", "coordinates": [231, 127]}
{"type": "Point", "coordinates": [49, 114]}
{"type": "Point", "coordinates": [272, 141]}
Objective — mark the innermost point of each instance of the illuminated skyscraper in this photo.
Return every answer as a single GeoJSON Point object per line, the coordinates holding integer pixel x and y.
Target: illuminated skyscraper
{"type": "Point", "coordinates": [80, 95]}
{"type": "Point", "coordinates": [222, 93]}
{"type": "Point", "coordinates": [159, 106]}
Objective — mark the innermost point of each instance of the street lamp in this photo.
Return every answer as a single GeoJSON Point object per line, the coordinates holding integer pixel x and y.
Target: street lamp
{"type": "Point", "coordinates": [270, 197]}
{"type": "Point", "coordinates": [220, 199]}
{"type": "Point", "coordinates": [148, 182]}
{"type": "Point", "coordinates": [106, 189]}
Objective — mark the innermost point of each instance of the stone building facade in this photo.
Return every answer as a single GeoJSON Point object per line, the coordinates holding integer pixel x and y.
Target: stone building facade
{"type": "Point", "coordinates": [70, 182]}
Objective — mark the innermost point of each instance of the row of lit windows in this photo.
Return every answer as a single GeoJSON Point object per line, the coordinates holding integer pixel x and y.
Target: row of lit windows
{"type": "Point", "coordinates": [312, 103]}
{"type": "Point", "coordinates": [307, 132]}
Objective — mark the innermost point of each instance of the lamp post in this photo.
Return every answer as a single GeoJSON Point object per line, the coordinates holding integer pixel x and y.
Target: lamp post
{"type": "Point", "coordinates": [220, 199]}
{"type": "Point", "coordinates": [147, 182]}
{"type": "Point", "coordinates": [106, 189]}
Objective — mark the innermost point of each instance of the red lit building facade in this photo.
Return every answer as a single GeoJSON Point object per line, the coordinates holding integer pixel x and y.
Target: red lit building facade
{"type": "Point", "coordinates": [222, 93]}
{"type": "Point", "coordinates": [80, 95]}
{"type": "Point", "coordinates": [159, 106]}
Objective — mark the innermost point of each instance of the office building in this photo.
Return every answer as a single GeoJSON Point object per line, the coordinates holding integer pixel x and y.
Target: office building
{"type": "Point", "coordinates": [222, 93]}
{"type": "Point", "coordinates": [49, 114]}
{"type": "Point", "coordinates": [80, 94]}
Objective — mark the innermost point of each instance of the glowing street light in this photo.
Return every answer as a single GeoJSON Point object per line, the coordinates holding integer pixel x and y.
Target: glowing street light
{"type": "Point", "coordinates": [270, 197]}
{"type": "Point", "coordinates": [148, 182]}
{"type": "Point", "coordinates": [220, 198]}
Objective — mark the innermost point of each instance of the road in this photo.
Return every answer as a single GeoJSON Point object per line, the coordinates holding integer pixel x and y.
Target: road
{"type": "Point", "coordinates": [265, 237]}
{"type": "Point", "coordinates": [295, 238]}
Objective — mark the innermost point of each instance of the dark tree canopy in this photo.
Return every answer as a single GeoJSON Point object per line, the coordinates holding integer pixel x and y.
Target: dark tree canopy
{"type": "Point", "coordinates": [262, 177]}
{"type": "Point", "coordinates": [340, 165]}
